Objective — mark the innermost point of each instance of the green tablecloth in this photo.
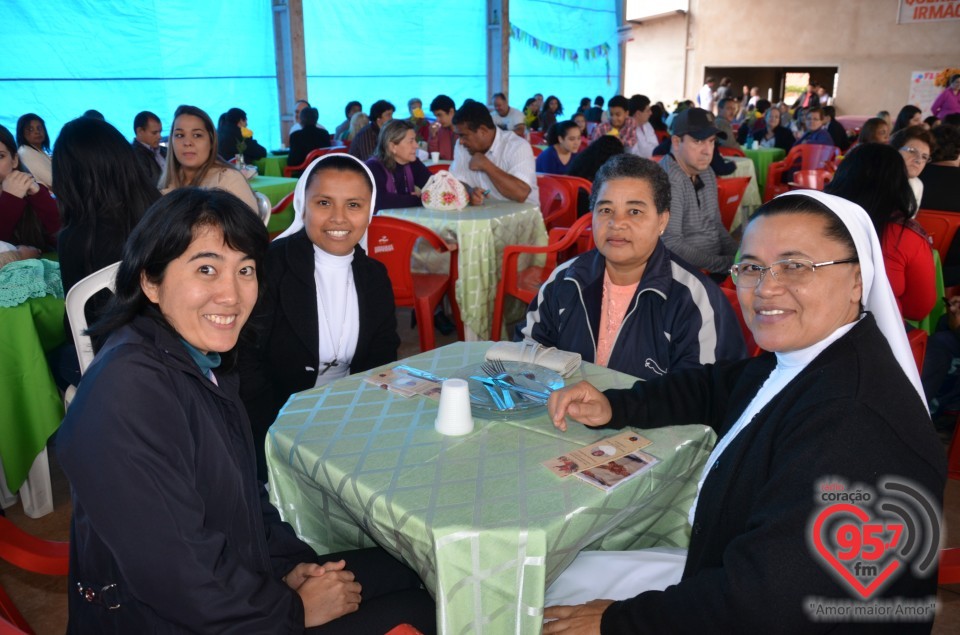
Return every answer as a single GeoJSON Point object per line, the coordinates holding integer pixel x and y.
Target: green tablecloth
{"type": "Point", "coordinates": [271, 165]}
{"type": "Point", "coordinates": [482, 522]}
{"type": "Point", "coordinates": [276, 187]}
{"type": "Point", "coordinates": [762, 158]}
{"type": "Point", "coordinates": [481, 233]}
{"type": "Point", "coordinates": [30, 405]}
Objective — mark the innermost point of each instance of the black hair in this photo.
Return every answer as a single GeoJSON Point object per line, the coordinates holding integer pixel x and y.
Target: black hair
{"type": "Point", "coordinates": [340, 163]}
{"type": "Point", "coordinates": [378, 108]}
{"type": "Point", "coordinates": [801, 204]}
{"type": "Point", "coordinates": [500, 95]}
{"type": "Point", "coordinates": [630, 166]}
{"type": "Point", "coordinates": [618, 101]}
{"type": "Point", "coordinates": [586, 164]}
{"type": "Point", "coordinates": [546, 102]}
{"type": "Point", "coordinates": [829, 111]}
{"type": "Point", "coordinates": [948, 143]}
{"type": "Point", "coordinates": [6, 138]}
{"type": "Point", "coordinates": [442, 102]}
{"type": "Point", "coordinates": [953, 119]}
{"type": "Point", "coordinates": [723, 102]}
{"type": "Point", "coordinates": [309, 117]}
{"type": "Point", "coordinates": [234, 116]}
{"type": "Point", "coordinates": [584, 103]}
{"type": "Point", "coordinates": [637, 103]}
{"type": "Point", "coordinates": [904, 116]}
{"type": "Point", "coordinates": [350, 105]}
{"type": "Point", "coordinates": [932, 121]}
{"type": "Point", "coordinates": [94, 114]}
{"type": "Point", "coordinates": [656, 117]}
{"type": "Point", "coordinates": [763, 105]}
{"type": "Point", "coordinates": [473, 114]}
{"type": "Point", "coordinates": [99, 183]}
{"type": "Point", "coordinates": [22, 124]}
{"type": "Point", "coordinates": [29, 229]}
{"type": "Point", "coordinates": [598, 101]}
{"type": "Point", "coordinates": [162, 236]}
{"type": "Point", "coordinates": [874, 176]}
{"type": "Point", "coordinates": [868, 131]}
{"type": "Point", "coordinates": [143, 118]}
{"type": "Point", "coordinates": [559, 130]}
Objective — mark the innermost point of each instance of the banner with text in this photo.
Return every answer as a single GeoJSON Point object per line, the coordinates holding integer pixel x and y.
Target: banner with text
{"type": "Point", "coordinates": [912, 11]}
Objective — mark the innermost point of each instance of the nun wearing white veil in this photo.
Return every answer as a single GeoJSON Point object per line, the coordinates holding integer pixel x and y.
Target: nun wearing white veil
{"type": "Point", "coordinates": [837, 400]}
{"type": "Point", "coordinates": [326, 309]}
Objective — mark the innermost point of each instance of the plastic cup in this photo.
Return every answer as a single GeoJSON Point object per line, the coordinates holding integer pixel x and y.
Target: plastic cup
{"type": "Point", "coordinates": [434, 156]}
{"type": "Point", "coordinates": [454, 417]}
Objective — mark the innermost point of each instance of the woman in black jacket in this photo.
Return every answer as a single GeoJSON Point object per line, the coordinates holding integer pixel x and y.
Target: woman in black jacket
{"type": "Point", "coordinates": [232, 134]}
{"type": "Point", "coordinates": [171, 533]}
{"type": "Point", "coordinates": [327, 309]}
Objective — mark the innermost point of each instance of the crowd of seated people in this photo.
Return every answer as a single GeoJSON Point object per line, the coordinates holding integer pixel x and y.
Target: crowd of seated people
{"type": "Point", "coordinates": [645, 301]}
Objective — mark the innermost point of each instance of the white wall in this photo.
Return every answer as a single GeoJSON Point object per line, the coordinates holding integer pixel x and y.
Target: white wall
{"type": "Point", "coordinates": [875, 55]}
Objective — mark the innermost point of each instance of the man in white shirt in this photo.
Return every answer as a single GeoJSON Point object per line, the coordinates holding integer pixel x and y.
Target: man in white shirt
{"type": "Point", "coordinates": [505, 117]}
{"type": "Point", "coordinates": [299, 107]}
{"type": "Point", "coordinates": [639, 108]}
{"type": "Point", "coordinates": [706, 96]}
{"type": "Point", "coordinates": [491, 162]}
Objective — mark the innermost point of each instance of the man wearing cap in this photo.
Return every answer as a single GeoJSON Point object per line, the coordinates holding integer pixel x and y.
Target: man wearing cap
{"type": "Point", "coordinates": [695, 231]}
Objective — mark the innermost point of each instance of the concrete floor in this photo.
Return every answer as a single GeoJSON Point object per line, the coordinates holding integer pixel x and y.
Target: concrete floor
{"type": "Point", "coordinates": [43, 600]}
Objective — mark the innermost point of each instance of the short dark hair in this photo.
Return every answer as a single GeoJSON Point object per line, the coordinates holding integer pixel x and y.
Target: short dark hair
{"type": "Point", "coordinates": [901, 137]}
{"type": "Point", "coordinates": [233, 117]}
{"type": "Point", "coordinates": [814, 110]}
{"type": "Point", "coordinates": [378, 108]}
{"type": "Point", "coordinates": [442, 102]}
{"type": "Point", "coordinates": [22, 124]}
{"type": "Point", "coordinates": [500, 95]}
{"type": "Point", "coordinates": [586, 164]}
{"type": "Point", "coordinates": [339, 163]}
{"type": "Point", "coordinates": [637, 103]}
{"type": "Point", "coordinates": [709, 79]}
{"type": "Point", "coordinates": [801, 204]}
{"type": "Point", "coordinates": [94, 114]}
{"type": "Point", "coordinates": [724, 101]}
{"type": "Point", "coordinates": [868, 132]}
{"type": "Point", "coordinates": [163, 235]}
{"type": "Point", "coordinates": [309, 116]}
{"type": "Point", "coordinates": [143, 118]}
{"type": "Point", "coordinates": [350, 106]}
{"type": "Point", "coordinates": [829, 111]}
{"type": "Point", "coordinates": [763, 105]}
{"type": "Point", "coordinates": [948, 143]}
{"type": "Point", "coordinates": [559, 130]}
{"type": "Point", "coordinates": [598, 101]}
{"type": "Point", "coordinates": [953, 119]}
{"type": "Point", "coordinates": [618, 101]}
{"type": "Point", "coordinates": [473, 114]}
{"type": "Point", "coordinates": [630, 166]}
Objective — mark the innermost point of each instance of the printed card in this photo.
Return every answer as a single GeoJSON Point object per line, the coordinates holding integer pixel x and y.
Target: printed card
{"type": "Point", "coordinates": [612, 473]}
{"type": "Point", "coordinates": [404, 385]}
{"type": "Point", "coordinates": [603, 451]}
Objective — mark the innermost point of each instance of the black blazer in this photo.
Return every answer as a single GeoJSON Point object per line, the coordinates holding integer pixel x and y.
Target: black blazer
{"type": "Point", "coordinates": [146, 161]}
{"type": "Point", "coordinates": [851, 413]}
{"type": "Point", "coordinates": [305, 141]}
{"type": "Point", "coordinates": [279, 353]}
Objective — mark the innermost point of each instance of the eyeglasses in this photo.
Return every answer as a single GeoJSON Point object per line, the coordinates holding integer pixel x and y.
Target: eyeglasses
{"type": "Point", "coordinates": [790, 271]}
{"type": "Point", "coordinates": [915, 154]}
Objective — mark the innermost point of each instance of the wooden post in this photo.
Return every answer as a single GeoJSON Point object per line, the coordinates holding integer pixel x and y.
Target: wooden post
{"type": "Point", "coordinates": [621, 46]}
{"type": "Point", "coordinates": [498, 47]}
{"type": "Point", "coordinates": [291, 60]}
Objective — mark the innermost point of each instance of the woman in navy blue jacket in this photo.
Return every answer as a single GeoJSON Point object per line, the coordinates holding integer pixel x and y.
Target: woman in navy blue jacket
{"type": "Point", "coordinates": [631, 304]}
{"type": "Point", "coordinates": [171, 533]}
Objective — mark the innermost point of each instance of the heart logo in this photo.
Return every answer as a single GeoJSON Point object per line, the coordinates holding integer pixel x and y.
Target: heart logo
{"type": "Point", "coordinates": [855, 548]}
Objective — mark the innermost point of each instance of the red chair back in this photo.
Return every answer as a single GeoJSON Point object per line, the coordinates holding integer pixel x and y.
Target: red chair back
{"type": "Point", "coordinates": [536, 138]}
{"type": "Point", "coordinates": [537, 150]}
{"type": "Point", "coordinates": [391, 241]}
{"type": "Point", "coordinates": [811, 156]}
{"type": "Point", "coordinates": [558, 207]}
{"type": "Point", "coordinates": [437, 167]}
{"type": "Point", "coordinates": [949, 566]}
{"type": "Point", "coordinates": [812, 179]}
{"type": "Point", "coordinates": [661, 135]}
{"type": "Point", "coordinates": [918, 346]}
{"type": "Point", "coordinates": [524, 285]}
{"type": "Point", "coordinates": [729, 195]}
{"type": "Point", "coordinates": [31, 554]}
{"type": "Point", "coordinates": [940, 226]}
{"type": "Point", "coordinates": [282, 205]}
{"type": "Point", "coordinates": [727, 151]}
{"type": "Point", "coordinates": [294, 170]}
{"type": "Point", "coordinates": [752, 348]}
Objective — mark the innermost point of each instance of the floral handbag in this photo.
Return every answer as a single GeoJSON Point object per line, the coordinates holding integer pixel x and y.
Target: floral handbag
{"type": "Point", "coordinates": [444, 192]}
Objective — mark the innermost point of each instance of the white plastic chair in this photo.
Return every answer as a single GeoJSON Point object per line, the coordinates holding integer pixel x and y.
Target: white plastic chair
{"type": "Point", "coordinates": [264, 207]}
{"type": "Point", "coordinates": [77, 298]}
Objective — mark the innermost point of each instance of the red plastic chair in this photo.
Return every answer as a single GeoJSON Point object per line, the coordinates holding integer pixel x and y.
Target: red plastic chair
{"type": "Point", "coordinates": [558, 207]}
{"type": "Point", "coordinates": [537, 151]}
{"type": "Point", "coordinates": [730, 193]}
{"type": "Point", "coordinates": [292, 170]}
{"type": "Point", "coordinates": [282, 205]}
{"type": "Point", "coordinates": [31, 554]}
{"type": "Point", "coordinates": [524, 285]}
{"type": "Point", "coordinates": [918, 346]}
{"type": "Point", "coordinates": [807, 156]}
{"type": "Point", "coordinates": [727, 151]}
{"type": "Point", "coordinates": [753, 349]}
{"type": "Point", "coordinates": [940, 226]}
{"type": "Point", "coordinates": [811, 179]}
{"type": "Point", "coordinates": [949, 566]}
{"type": "Point", "coordinates": [661, 135]}
{"type": "Point", "coordinates": [391, 241]}
{"type": "Point", "coordinates": [536, 138]}
{"type": "Point", "coordinates": [403, 629]}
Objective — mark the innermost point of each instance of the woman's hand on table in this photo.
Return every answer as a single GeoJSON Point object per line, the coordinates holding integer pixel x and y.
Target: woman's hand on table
{"type": "Point", "coordinates": [581, 402]}
{"type": "Point", "coordinates": [582, 619]}
{"type": "Point", "coordinates": [20, 184]}
{"type": "Point", "coordinates": [328, 596]}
